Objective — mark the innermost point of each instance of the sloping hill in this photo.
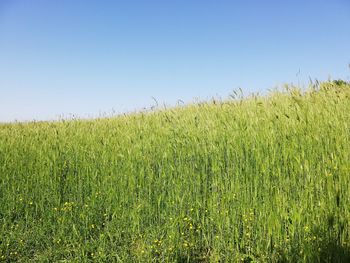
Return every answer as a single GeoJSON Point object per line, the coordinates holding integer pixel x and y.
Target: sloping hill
{"type": "Point", "coordinates": [262, 178]}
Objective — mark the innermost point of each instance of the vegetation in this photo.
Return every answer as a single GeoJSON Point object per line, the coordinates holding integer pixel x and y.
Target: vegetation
{"type": "Point", "coordinates": [261, 179]}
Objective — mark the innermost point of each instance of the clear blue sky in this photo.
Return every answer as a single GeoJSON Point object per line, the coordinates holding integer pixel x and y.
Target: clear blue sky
{"type": "Point", "coordinates": [89, 57]}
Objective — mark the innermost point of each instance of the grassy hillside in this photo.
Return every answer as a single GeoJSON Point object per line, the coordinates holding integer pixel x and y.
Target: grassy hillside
{"type": "Point", "coordinates": [264, 179]}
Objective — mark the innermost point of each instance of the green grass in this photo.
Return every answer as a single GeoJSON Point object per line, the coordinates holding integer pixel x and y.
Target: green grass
{"type": "Point", "coordinates": [262, 179]}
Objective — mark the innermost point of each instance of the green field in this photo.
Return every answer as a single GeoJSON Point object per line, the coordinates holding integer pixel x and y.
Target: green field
{"type": "Point", "coordinates": [257, 179]}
